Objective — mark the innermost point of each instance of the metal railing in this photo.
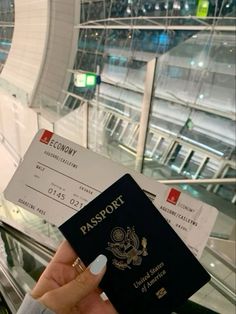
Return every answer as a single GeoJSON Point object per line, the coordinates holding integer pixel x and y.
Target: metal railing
{"type": "Point", "coordinates": [46, 254]}
{"type": "Point", "coordinates": [10, 288]}
{"type": "Point", "coordinates": [200, 181]}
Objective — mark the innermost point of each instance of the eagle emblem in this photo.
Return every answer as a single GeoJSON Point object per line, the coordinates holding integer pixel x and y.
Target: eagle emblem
{"type": "Point", "coordinates": [126, 248]}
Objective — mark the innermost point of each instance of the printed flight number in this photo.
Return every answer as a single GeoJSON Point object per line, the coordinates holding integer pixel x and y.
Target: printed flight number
{"type": "Point", "coordinates": [62, 196]}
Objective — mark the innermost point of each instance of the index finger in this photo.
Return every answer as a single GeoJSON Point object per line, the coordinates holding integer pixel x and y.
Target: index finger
{"type": "Point", "coordinates": [65, 254]}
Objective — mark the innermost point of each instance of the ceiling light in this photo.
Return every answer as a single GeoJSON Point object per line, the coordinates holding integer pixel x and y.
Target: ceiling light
{"type": "Point", "coordinates": [186, 6]}
{"type": "Point", "coordinates": [128, 10]}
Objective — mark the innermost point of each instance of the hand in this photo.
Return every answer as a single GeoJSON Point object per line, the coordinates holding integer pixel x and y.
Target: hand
{"type": "Point", "coordinates": [63, 290]}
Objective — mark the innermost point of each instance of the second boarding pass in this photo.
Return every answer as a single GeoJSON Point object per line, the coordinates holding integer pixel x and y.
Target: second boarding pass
{"type": "Point", "coordinates": [58, 177]}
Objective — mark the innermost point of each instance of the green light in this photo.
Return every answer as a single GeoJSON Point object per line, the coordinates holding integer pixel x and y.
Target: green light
{"type": "Point", "coordinates": [202, 8]}
{"type": "Point", "coordinates": [85, 79]}
{"type": "Point", "coordinates": [90, 79]}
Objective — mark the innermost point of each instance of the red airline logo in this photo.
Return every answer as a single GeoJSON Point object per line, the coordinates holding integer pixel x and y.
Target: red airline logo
{"type": "Point", "coordinates": [173, 196]}
{"type": "Point", "coordinates": [45, 138]}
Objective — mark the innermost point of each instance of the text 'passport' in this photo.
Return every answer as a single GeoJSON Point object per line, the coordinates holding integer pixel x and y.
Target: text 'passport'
{"type": "Point", "coordinates": [150, 270]}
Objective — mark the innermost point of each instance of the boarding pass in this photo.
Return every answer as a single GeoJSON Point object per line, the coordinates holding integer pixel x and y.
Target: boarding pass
{"type": "Point", "coordinates": [58, 177]}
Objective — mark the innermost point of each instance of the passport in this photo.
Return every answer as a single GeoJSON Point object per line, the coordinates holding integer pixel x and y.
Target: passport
{"type": "Point", "coordinates": [149, 269]}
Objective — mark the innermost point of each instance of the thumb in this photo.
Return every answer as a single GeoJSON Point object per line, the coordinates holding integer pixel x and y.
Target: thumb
{"type": "Point", "coordinates": [61, 300]}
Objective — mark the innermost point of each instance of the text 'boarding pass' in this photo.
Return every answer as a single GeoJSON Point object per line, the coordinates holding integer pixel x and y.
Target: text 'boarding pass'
{"type": "Point", "coordinates": [58, 177]}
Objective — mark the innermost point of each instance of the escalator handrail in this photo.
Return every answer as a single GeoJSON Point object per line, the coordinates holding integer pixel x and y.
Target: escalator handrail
{"type": "Point", "coordinates": [41, 249]}
{"type": "Point", "coordinates": [221, 258]}
{"type": "Point", "coordinates": [9, 289]}
{"type": "Point", "coordinates": [47, 253]}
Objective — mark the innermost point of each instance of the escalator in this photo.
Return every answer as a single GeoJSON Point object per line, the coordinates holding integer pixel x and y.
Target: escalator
{"type": "Point", "coordinates": [4, 309]}
{"type": "Point", "coordinates": [22, 260]}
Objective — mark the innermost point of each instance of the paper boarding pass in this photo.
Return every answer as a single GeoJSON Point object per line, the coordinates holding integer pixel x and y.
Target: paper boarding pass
{"type": "Point", "coordinates": [58, 177]}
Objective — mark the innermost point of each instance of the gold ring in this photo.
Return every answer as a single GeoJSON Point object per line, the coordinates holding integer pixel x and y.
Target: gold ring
{"type": "Point", "coordinates": [78, 265]}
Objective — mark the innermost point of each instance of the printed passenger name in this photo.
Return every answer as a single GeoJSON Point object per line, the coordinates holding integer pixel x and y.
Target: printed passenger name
{"type": "Point", "coordinates": [180, 216]}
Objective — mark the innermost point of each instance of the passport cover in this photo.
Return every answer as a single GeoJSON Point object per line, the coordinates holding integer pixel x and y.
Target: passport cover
{"type": "Point", "coordinates": [149, 269]}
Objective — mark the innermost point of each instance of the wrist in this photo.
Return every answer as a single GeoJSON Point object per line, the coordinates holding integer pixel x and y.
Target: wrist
{"type": "Point", "coordinates": [36, 293]}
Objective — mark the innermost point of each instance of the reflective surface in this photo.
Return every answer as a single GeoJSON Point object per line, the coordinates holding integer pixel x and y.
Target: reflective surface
{"type": "Point", "coordinates": [6, 29]}
{"type": "Point", "coordinates": [22, 261]}
{"type": "Point", "coordinates": [191, 126]}
{"type": "Point", "coordinates": [95, 10]}
{"type": "Point", "coordinates": [16, 257]}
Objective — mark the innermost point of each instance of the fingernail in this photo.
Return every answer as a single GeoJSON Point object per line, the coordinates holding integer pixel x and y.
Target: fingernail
{"type": "Point", "coordinates": [98, 264]}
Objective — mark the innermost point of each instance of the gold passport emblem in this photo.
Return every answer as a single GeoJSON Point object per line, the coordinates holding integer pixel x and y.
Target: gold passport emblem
{"type": "Point", "coordinates": [161, 292]}
{"type": "Point", "coordinates": [126, 248]}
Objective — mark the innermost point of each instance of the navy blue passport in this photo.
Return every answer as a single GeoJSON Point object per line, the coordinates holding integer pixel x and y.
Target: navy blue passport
{"type": "Point", "coordinates": [150, 270]}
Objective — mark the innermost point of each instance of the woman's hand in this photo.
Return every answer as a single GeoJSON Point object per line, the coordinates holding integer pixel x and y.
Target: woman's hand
{"type": "Point", "coordinates": [63, 290]}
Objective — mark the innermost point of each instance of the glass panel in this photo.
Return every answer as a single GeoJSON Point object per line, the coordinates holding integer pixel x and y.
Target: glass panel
{"type": "Point", "coordinates": [209, 169]}
{"type": "Point", "coordinates": [104, 9]}
{"type": "Point", "coordinates": [178, 157]}
{"type": "Point", "coordinates": [129, 132]}
{"type": "Point", "coordinates": [21, 219]}
{"type": "Point", "coordinates": [193, 164]}
{"type": "Point", "coordinates": [161, 148]}
{"type": "Point", "coordinates": [25, 266]}
{"type": "Point", "coordinates": [153, 165]}
{"type": "Point", "coordinates": [3, 305]}
{"type": "Point", "coordinates": [198, 74]}
{"type": "Point", "coordinates": [151, 143]}
{"type": "Point", "coordinates": [208, 295]}
{"type": "Point", "coordinates": [7, 12]}
{"type": "Point", "coordinates": [72, 103]}
{"type": "Point", "coordinates": [228, 191]}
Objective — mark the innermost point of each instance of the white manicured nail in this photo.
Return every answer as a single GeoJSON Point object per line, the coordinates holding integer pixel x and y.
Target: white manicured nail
{"type": "Point", "coordinates": [98, 264]}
